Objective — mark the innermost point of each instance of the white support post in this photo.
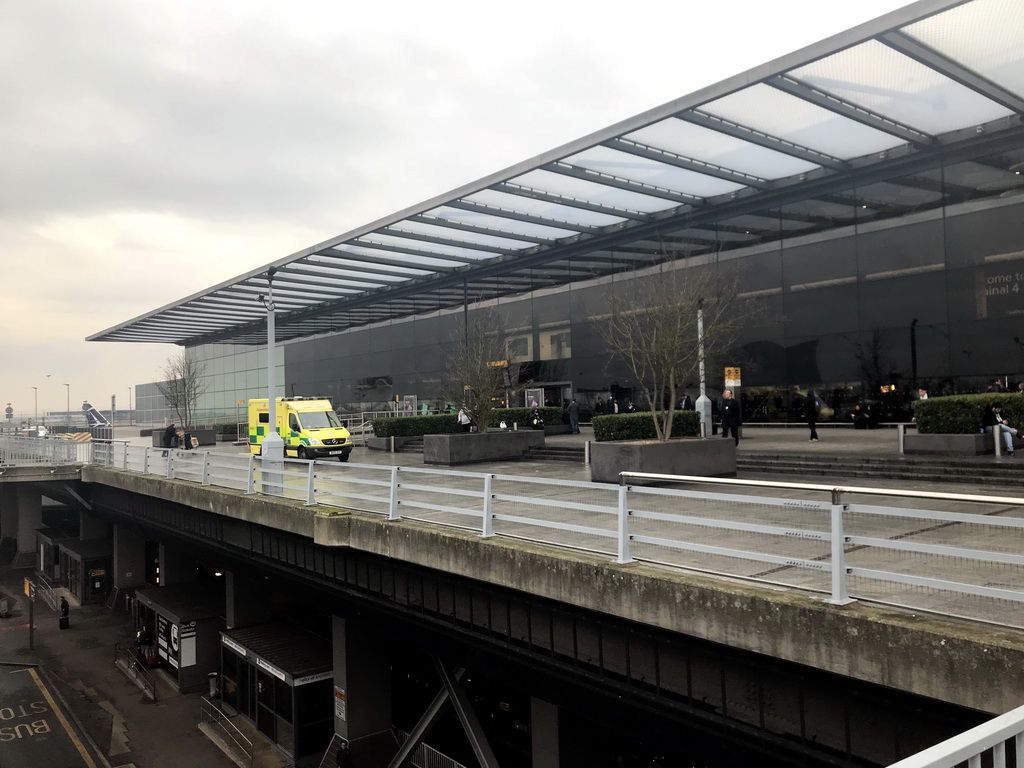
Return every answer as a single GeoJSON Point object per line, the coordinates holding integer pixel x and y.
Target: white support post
{"type": "Point", "coordinates": [125, 466]}
{"type": "Point", "coordinates": [311, 484]}
{"type": "Point", "coordinates": [623, 526]}
{"type": "Point", "coordinates": [250, 480]}
{"type": "Point", "coordinates": [840, 596]}
{"type": "Point", "coordinates": [901, 433]}
{"type": "Point", "coordinates": [488, 521]}
{"type": "Point", "coordinates": [206, 468]}
{"type": "Point", "coordinates": [145, 462]}
{"type": "Point", "coordinates": [586, 453]}
{"type": "Point", "coordinates": [169, 473]}
{"type": "Point", "coordinates": [393, 503]}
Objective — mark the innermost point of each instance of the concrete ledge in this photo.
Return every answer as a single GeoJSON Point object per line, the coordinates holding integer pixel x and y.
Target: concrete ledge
{"type": "Point", "coordinates": [476, 446]}
{"type": "Point", "coordinates": [713, 457]}
{"type": "Point", "coordinates": [951, 445]}
{"type": "Point", "coordinates": [922, 655]}
{"type": "Point", "coordinates": [384, 443]}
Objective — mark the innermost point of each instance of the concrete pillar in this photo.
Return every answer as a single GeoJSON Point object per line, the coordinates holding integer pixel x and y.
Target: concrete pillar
{"type": "Point", "coordinates": [8, 510]}
{"type": "Point", "coordinates": [129, 557]}
{"type": "Point", "coordinates": [92, 526]}
{"type": "Point", "coordinates": [30, 517]}
{"type": "Point", "coordinates": [248, 601]}
{"type": "Point", "coordinates": [176, 567]}
{"type": "Point", "coordinates": [544, 733]}
{"type": "Point", "coordinates": [362, 679]}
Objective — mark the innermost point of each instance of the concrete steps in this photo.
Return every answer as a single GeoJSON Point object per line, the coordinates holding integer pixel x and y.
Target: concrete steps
{"type": "Point", "coordinates": [414, 445]}
{"type": "Point", "coordinates": [556, 453]}
{"type": "Point", "coordinates": [970, 470]}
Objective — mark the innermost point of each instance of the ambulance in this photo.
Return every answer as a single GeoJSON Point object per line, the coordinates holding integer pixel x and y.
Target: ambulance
{"type": "Point", "coordinates": [308, 426]}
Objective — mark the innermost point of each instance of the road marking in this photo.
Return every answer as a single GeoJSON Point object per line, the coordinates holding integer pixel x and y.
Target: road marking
{"type": "Point", "coordinates": [63, 721]}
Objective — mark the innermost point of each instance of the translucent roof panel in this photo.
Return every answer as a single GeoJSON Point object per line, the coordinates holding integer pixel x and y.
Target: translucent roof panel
{"type": "Point", "coordinates": [422, 262]}
{"type": "Point", "coordinates": [337, 265]}
{"type": "Point", "coordinates": [984, 35]}
{"type": "Point", "coordinates": [901, 196]}
{"type": "Point", "coordinates": [886, 82]}
{"type": "Point", "coordinates": [581, 189]}
{"type": "Point", "coordinates": [626, 166]}
{"type": "Point", "coordinates": [474, 238]}
{"type": "Point", "coordinates": [557, 213]}
{"type": "Point", "coordinates": [700, 143]}
{"type": "Point", "coordinates": [418, 245]}
{"type": "Point", "coordinates": [771, 111]}
{"type": "Point", "coordinates": [508, 225]}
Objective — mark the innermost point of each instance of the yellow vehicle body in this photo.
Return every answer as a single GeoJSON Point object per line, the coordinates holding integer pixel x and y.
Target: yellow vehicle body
{"type": "Point", "coordinates": [308, 426]}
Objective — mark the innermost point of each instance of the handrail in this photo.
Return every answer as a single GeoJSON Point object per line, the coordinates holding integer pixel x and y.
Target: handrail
{"type": "Point", "coordinates": [993, 739]}
{"type": "Point", "coordinates": [134, 668]}
{"type": "Point", "coordinates": [211, 713]}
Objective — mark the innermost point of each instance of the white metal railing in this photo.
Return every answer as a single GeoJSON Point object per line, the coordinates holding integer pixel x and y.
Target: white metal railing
{"type": "Point", "coordinates": [35, 451]}
{"type": "Point", "coordinates": [214, 715]}
{"type": "Point", "coordinates": [952, 554]}
{"type": "Point", "coordinates": [989, 744]}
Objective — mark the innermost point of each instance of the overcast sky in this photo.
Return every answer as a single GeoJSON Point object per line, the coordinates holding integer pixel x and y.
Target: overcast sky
{"type": "Point", "coordinates": [152, 148]}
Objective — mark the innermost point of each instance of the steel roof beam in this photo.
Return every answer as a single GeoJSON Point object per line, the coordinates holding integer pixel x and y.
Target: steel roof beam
{"type": "Point", "coordinates": [569, 202]}
{"type": "Point", "coordinates": [462, 227]}
{"type": "Point", "coordinates": [688, 164]}
{"type": "Point", "coordinates": [788, 84]}
{"type": "Point", "coordinates": [415, 252]}
{"type": "Point", "coordinates": [489, 249]}
{"type": "Point", "coordinates": [596, 177]}
{"type": "Point", "coordinates": [350, 284]}
{"type": "Point", "coordinates": [526, 218]}
{"type": "Point", "coordinates": [764, 140]}
{"type": "Point", "coordinates": [311, 261]}
{"type": "Point", "coordinates": [331, 253]}
{"type": "Point", "coordinates": [911, 48]}
{"type": "Point", "coordinates": [332, 276]}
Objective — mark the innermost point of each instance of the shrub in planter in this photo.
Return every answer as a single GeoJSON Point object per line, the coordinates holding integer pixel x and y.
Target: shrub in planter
{"type": "Point", "coordinates": [640, 426]}
{"type": "Point", "coordinates": [228, 430]}
{"type": "Point", "coordinates": [962, 414]}
{"type": "Point", "coordinates": [414, 426]}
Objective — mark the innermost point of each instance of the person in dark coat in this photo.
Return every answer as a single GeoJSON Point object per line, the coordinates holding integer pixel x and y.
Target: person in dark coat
{"type": "Point", "coordinates": [574, 416]}
{"type": "Point", "coordinates": [170, 435]}
{"type": "Point", "coordinates": [343, 758]}
{"type": "Point", "coordinates": [811, 409]}
{"type": "Point", "coordinates": [730, 411]}
{"type": "Point", "coordinates": [65, 611]}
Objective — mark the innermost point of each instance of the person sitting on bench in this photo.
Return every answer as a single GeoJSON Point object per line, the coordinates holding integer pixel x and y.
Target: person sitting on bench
{"type": "Point", "coordinates": [994, 423]}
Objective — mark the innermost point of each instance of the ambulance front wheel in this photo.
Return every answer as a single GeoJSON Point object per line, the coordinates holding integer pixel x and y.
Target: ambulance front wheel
{"type": "Point", "coordinates": [302, 454]}
{"type": "Point", "coordinates": [343, 457]}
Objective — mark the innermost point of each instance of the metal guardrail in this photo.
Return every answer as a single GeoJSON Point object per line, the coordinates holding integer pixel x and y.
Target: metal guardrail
{"type": "Point", "coordinates": [989, 744]}
{"type": "Point", "coordinates": [134, 668]}
{"type": "Point", "coordinates": [214, 715]}
{"type": "Point", "coordinates": [44, 588]}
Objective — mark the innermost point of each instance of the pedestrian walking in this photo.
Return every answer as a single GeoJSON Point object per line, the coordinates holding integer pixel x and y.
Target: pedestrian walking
{"type": "Point", "coordinates": [65, 613]}
{"type": "Point", "coordinates": [464, 419]}
{"type": "Point", "coordinates": [574, 416]}
{"type": "Point", "coordinates": [811, 410]}
{"type": "Point", "coordinates": [170, 435]}
{"type": "Point", "coordinates": [730, 410]}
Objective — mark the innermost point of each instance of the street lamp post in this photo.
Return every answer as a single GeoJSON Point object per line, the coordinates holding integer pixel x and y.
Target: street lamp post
{"type": "Point", "coordinates": [703, 403]}
{"type": "Point", "coordinates": [35, 406]}
{"type": "Point", "coordinates": [272, 446]}
{"type": "Point", "coordinates": [68, 422]}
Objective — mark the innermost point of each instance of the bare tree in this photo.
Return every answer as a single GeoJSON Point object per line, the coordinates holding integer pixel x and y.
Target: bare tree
{"type": "Point", "coordinates": [184, 383]}
{"type": "Point", "coordinates": [652, 327]}
{"type": "Point", "coordinates": [479, 374]}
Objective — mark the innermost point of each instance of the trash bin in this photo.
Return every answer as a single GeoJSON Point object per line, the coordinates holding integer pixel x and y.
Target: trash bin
{"type": "Point", "coordinates": [213, 679]}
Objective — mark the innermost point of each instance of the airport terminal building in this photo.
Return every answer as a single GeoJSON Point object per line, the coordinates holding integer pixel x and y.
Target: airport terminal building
{"type": "Point", "coordinates": [869, 190]}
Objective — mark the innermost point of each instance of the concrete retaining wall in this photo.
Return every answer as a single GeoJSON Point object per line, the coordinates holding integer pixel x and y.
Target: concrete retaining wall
{"type": "Point", "coordinates": [713, 457]}
{"type": "Point", "coordinates": [951, 445]}
{"type": "Point", "coordinates": [475, 446]}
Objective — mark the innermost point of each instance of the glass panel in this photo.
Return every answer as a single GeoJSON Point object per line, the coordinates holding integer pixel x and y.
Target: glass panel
{"type": "Point", "coordinates": [766, 109]}
{"type": "Point", "coordinates": [339, 264]}
{"type": "Point", "coordinates": [456, 234]}
{"type": "Point", "coordinates": [627, 166]}
{"type": "Point", "coordinates": [426, 262]}
{"type": "Point", "coordinates": [589, 191]}
{"type": "Point", "coordinates": [441, 250]}
{"type": "Point", "coordinates": [557, 213]}
{"type": "Point", "coordinates": [700, 143]}
{"type": "Point", "coordinates": [888, 83]}
{"type": "Point", "coordinates": [984, 35]}
{"type": "Point", "coordinates": [524, 228]}
{"type": "Point", "coordinates": [897, 194]}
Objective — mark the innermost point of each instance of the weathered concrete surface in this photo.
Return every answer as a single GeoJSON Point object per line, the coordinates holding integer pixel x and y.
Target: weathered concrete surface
{"type": "Point", "coordinates": [951, 445]}
{"type": "Point", "coordinates": [963, 663]}
{"type": "Point", "coordinates": [479, 446]}
{"type": "Point", "coordinates": [281, 514]}
{"type": "Point", "coordinates": [713, 457]}
{"type": "Point", "coordinates": [31, 474]}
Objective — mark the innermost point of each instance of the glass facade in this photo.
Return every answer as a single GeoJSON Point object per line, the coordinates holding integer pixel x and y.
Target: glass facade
{"type": "Point", "coordinates": [861, 309]}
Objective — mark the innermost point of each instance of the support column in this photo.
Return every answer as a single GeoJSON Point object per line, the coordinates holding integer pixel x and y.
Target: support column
{"type": "Point", "coordinates": [129, 557]}
{"type": "Point", "coordinates": [30, 518]}
{"type": "Point", "coordinates": [176, 567]}
{"type": "Point", "coordinates": [544, 733]}
{"type": "Point", "coordinates": [8, 510]}
{"type": "Point", "coordinates": [362, 680]}
{"type": "Point", "coordinates": [247, 601]}
{"type": "Point", "coordinates": [92, 526]}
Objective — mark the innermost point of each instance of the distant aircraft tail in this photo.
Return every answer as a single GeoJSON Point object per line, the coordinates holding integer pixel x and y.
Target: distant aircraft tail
{"type": "Point", "coordinates": [94, 417]}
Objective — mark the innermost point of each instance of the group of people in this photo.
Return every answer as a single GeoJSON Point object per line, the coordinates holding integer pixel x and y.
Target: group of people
{"type": "Point", "coordinates": [612, 406]}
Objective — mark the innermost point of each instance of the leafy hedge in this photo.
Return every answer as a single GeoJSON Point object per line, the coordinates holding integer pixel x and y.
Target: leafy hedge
{"type": "Point", "coordinates": [225, 429]}
{"type": "Point", "coordinates": [414, 426]}
{"type": "Point", "coordinates": [640, 426]}
{"type": "Point", "coordinates": [961, 414]}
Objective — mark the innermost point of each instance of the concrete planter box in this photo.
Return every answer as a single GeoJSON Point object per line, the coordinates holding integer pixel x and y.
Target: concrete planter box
{"type": "Point", "coordinates": [951, 445]}
{"type": "Point", "coordinates": [475, 446]}
{"type": "Point", "coordinates": [384, 443]}
{"type": "Point", "coordinates": [712, 457]}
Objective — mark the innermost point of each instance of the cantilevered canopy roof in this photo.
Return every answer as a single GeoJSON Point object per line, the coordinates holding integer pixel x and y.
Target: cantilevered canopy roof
{"type": "Point", "coordinates": [917, 109]}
